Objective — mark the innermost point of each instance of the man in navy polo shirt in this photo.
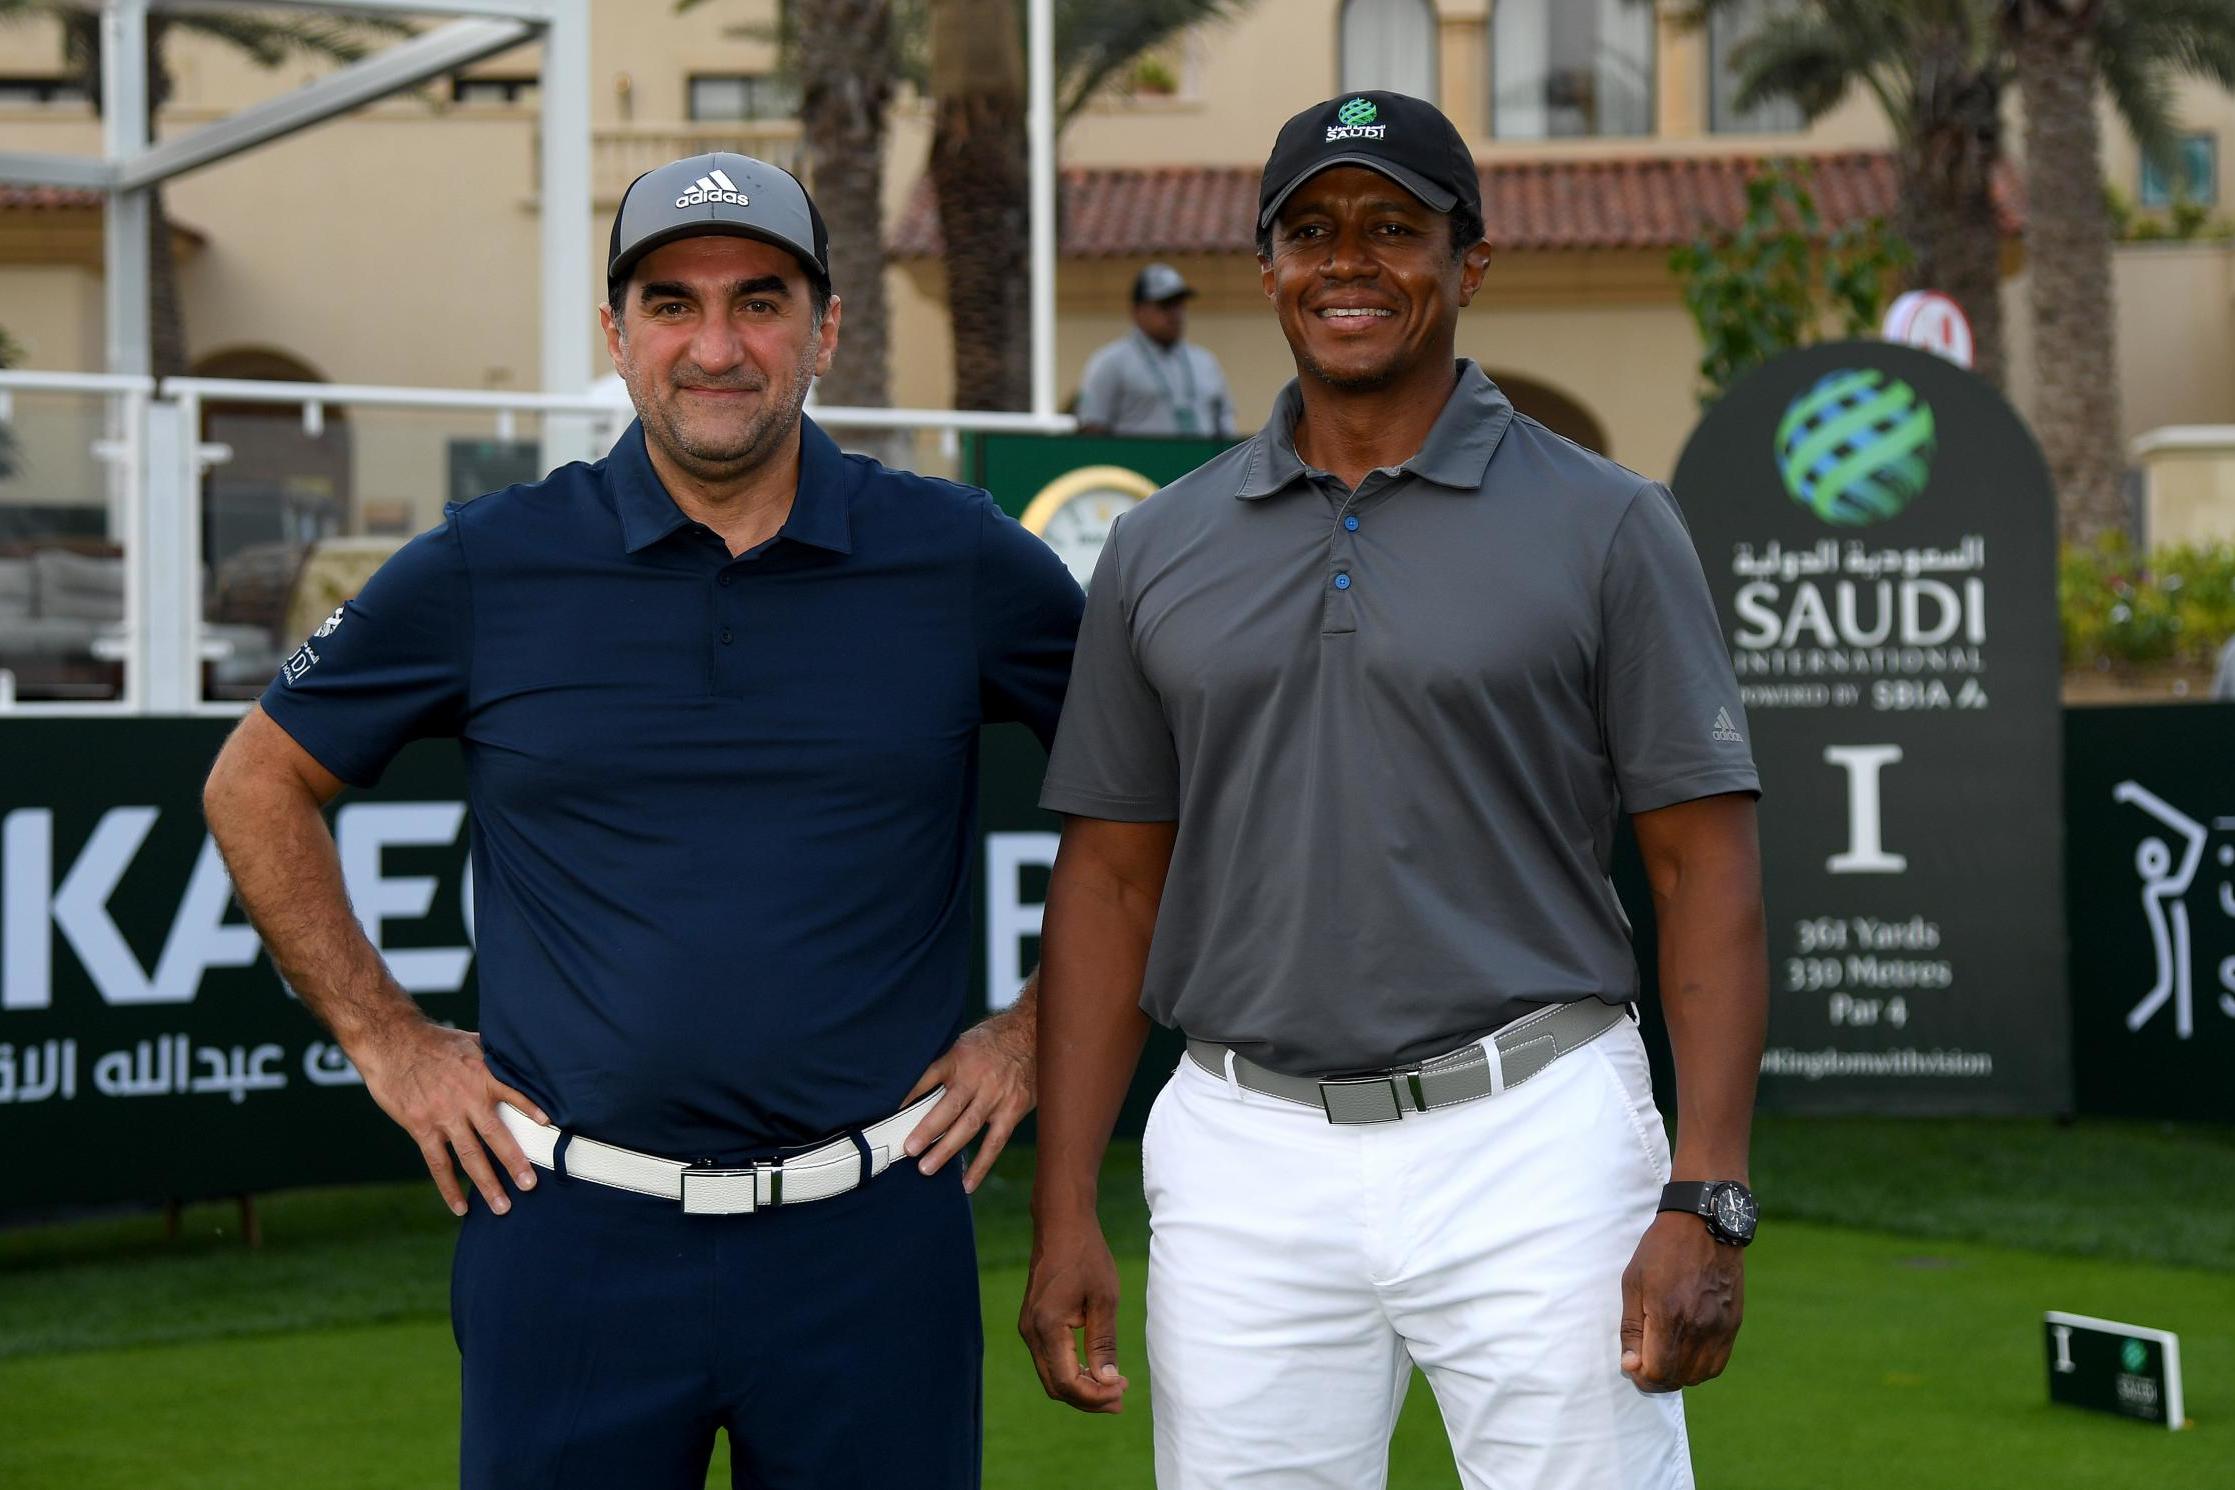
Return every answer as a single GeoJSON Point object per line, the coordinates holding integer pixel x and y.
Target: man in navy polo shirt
{"type": "Point", "coordinates": [719, 697]}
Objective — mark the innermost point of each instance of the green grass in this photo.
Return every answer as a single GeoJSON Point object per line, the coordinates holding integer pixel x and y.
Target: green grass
{"type": "Point", "coordinates": [1907, 1353]}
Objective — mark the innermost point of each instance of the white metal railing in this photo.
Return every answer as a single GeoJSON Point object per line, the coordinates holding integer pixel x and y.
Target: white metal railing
{"type": "Point", "coordinates": [121, 450]}
{"type": "Point", "coordinates": [158, 460]}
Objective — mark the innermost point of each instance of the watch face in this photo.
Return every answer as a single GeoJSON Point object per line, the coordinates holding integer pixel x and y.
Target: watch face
{"type": "Point", "coordinates": [1732, 1210]}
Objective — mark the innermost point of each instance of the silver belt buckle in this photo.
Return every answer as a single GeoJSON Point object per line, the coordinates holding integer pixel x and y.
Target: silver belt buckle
{"type": "Point", "coordinates": [1361, 1099]}
{"type": "Point", "coordinates": [708, 1191]}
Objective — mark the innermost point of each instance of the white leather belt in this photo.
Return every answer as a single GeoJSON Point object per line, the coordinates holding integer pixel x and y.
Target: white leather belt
{"type": "Point", "coordinates": [818, 1173]}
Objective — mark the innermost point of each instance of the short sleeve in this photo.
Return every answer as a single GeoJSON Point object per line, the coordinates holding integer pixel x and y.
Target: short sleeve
{"type": "Point", "coordinates": [1027, 621]}
{"type": "Point", "coordinates": [387, 668]}
{"type": "Point", "coordinates": [1113, 757]}
{"type": "Point", "coordinates": [1668, 702]}
{"type": "Point", "coordinates": [1098, 391]}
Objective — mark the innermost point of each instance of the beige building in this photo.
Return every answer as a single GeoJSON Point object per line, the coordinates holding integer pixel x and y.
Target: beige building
{"type": "Point", "coordinates": [399, 245]}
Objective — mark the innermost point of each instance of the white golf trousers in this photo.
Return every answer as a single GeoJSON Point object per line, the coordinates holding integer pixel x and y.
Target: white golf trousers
{"type": "Point", "coordinates": [1298, 1271]}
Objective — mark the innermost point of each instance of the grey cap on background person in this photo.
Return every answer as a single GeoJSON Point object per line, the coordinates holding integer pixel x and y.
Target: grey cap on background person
{"type": "Point", "coordinates": [1158, 283]}
{"type": "Point", "coordinates": [720, 192]}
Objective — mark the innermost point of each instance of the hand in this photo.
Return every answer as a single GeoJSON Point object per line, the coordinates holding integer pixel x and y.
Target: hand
{"type": "Point", "coordinates": [1073, 1285]}
{"type": "Point", "coordinates": [433, 1082]}
{"type": "Point", "coordinates": [989, 1077]}
{"type": "Point", "coordinates": [1682, 1296]}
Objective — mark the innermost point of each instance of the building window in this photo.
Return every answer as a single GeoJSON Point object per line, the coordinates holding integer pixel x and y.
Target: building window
{"type": "Point", "coordinates": [1727, 29]}
{"type": "Point", "coordinates": [39, 92]}
{"type": "Point", "coordinates": [1564, 68]}
{"type": "Point", "coordinates": [2193, 177]}
{"type": "Point", "coordinates": [490, 90]}
{"type": "Point", "coordinates": [742, 96]}
{"type": "Point", "coordinates": [1389, 44]}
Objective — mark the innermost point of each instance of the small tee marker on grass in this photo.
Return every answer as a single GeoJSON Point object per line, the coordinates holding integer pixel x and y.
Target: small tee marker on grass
{"type": "Point", "coordinates": [2124, 1369]}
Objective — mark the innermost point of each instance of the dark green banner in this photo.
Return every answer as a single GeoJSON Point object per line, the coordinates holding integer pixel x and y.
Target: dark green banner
{"type": "Point", "coordinates": [2149, 807]}
{"type": "Point", "coordinates": [147, 1049]}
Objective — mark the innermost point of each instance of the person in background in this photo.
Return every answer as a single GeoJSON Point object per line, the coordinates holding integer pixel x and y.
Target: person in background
{"type": "Point", "coordinates": [1153, 380]}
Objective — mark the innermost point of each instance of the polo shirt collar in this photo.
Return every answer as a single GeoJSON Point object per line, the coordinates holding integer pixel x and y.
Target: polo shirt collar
{"type": "Point", "coordinates": [1456, 453]}
{"type": "Point", "coordinates": [821, 514]}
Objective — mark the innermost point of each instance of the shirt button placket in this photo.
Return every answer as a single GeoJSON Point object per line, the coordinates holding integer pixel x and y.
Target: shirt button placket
{"type": "Point", "coordinates": [1342, 552]}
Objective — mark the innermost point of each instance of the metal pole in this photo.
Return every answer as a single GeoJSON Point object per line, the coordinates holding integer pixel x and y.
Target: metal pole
{"type": "Point", "coordinates": [167, 630]}
{"type": "Point", "coordinates": [125, 275]}
{"type": "Point", "coordinates": [1040, 126]}
{"type": "Point", "coordinates": [125, 223]}
{"type": "Point", "coordinates": [568, 288]}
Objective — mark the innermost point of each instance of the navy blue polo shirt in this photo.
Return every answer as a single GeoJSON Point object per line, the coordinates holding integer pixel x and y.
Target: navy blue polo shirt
{"type": "Point", "coordinates": [723, 808]}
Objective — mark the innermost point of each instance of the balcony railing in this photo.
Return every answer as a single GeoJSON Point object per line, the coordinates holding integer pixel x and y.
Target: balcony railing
{"type": "Point", "coordinates": [619, 153]}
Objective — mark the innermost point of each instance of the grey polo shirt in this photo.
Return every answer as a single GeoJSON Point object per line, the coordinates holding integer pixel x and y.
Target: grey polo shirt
{"type": "Point", "coordinates": [1132, 386]}
{"type": "Point", "coordinates": [1397, 728]}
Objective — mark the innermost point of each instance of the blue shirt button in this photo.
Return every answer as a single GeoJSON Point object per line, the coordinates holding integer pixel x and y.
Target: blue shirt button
{"type": "Point", "coordinates": [1350, 524]}
{"type": "Point", "coordinates": [1342, 581]}
{"type": "Point", "coordinates": [726, 636]}
{"type": "Point", "coordinates": [723, 580]}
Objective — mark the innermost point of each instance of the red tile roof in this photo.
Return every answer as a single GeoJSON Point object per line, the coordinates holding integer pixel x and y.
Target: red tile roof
{"type": "Point", "coordinates": [17, 198]}
{"type": "Point", "coordinates": [1637, 202]}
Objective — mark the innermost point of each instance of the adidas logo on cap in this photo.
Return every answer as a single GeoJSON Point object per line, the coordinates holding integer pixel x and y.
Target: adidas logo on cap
{"type": "Point", "coordinates": [712, 187]}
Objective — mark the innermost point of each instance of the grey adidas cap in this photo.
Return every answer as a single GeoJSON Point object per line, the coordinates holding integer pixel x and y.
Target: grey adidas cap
{"type": "Point", "coordinates": [717, 193]}
{"type": "Point", "coordinates": [1158, 283]}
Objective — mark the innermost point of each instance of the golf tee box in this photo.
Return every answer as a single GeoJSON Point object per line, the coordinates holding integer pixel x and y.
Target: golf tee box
{"type": "Point", "coordinates": [2122, 1369]}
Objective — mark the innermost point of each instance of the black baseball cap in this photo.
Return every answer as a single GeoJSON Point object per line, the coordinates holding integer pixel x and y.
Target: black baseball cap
{"type": "Point", "coordinates": [1406, 139]}
{"type": "Point", "coordinates": [717, 193]}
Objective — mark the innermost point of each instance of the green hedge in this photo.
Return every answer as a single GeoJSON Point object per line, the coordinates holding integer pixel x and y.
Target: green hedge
{"type": "Point", "coordinates": [2123, 607]}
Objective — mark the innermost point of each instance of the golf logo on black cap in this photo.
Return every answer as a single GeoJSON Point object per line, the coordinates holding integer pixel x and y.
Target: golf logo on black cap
{"type": "Point", "coordinates": [713, 187]}
{"type": "Point", "coordinates": [1355, 121]}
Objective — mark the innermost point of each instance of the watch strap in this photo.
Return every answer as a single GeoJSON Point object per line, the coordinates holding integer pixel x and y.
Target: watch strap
{"type": "Point", "coordinates": [1688, 1196]}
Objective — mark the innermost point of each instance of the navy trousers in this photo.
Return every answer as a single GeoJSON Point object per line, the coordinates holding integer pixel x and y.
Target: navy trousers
{"type": "Point", "coordinates": [606, 1336]}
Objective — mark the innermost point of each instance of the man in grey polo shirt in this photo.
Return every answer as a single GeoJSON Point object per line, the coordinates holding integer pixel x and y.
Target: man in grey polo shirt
{"type": "Point", "coordinates": [1356, 712]}
{"type": "Point", "coordinates": [1153, 380]}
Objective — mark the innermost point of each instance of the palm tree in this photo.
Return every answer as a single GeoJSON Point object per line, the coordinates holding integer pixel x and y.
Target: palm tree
{"type": "Point", "coordinates": [2065, 49]}
{"type": "Point", "coordinates": [978, 158]}
{"type": "Point", "coordinates": [846, 58]}
{"type": "Point", "coordinates": [849, 57]}
{"type": "Point", "coordinates": [1937, 69]}
{"type": "Point", "coordinates": [266, 40]}
{"type": "Point", "coordinates": [981, 181]}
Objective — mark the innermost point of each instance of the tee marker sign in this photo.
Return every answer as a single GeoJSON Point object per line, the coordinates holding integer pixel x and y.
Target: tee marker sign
{"type": "Point", "coordinates": [2123, 1369]}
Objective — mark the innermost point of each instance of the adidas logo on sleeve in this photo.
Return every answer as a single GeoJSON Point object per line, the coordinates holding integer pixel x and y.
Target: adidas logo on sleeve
{"type": "Point", "coordinates": [712, 187]}
{"type": "Point", "coordinates": [1726, 731]}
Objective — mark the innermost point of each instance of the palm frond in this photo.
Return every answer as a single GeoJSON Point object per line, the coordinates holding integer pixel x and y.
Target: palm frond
{"type": "Point", "coordinates": [269, 41]}
{"type": "Point", "coordinates": [1096, 40]}
{"type": "Point", "coordinates": [1806, 57]}
{"type": "Point", "coordinates": [2190, 36]}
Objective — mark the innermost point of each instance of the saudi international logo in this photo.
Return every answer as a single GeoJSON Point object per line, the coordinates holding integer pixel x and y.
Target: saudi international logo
{"type": "Point", "coordinates": [1857, 447]}
{"type": "Point", "coordinates": [2133, 1355]}
{"type": "Point", "coordinates": [1355, 121]}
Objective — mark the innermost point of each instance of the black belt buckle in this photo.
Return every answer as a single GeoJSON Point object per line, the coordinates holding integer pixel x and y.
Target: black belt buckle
{"type": "Point", "coordinates": [1351, 1100]}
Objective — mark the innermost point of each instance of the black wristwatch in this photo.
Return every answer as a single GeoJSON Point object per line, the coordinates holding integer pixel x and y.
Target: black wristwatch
{"type": "Point", "coordinates": [1725, 1205]}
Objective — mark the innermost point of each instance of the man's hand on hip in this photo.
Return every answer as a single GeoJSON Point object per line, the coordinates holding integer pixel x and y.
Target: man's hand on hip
{"type": "Point", "coordinates": [1073, 1286]}
{"type": "Point", "coordinates": [433, 1082]}
{"type": "Point", "coordinates": [1682, 1296]}
{"type": "Point", "coordinates": [989, 1075]}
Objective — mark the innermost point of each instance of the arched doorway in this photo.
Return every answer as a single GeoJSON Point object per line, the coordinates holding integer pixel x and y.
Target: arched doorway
{"type": "Point", "coordinates": [1554, 410]}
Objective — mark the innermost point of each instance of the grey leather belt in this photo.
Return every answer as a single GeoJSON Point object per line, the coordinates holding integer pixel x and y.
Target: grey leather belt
{"type": "Point", "coordinates": [1481, 1068]}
